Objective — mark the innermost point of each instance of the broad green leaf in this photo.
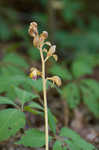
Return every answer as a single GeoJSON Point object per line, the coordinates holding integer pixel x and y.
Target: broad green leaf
{"type": "Point", "coordinates": [5, 100]}
{"type": "Point", "coordinates": [90, 99]}
{"type": "Point", "coordinates": [32, 110]}
{"type": "Point", "coordinates": [11, 93]}
{"type": "Point", "coordinates": [93, 85]}
{"type": "Point", "coordinates": [58, 146]}
{"type": "Point", "coordinates": [35, 105]}
{"type": "Point", "coordinates": [14, 59]}
{"type": "Point", "coordinates": [61, 71]}
{"type": "Point", "coordinates": [37, 84]}
{"type": "Point", "coordinates": [80, 68]}
{"type": "Point", "coordinates": [7, 82]}
{"type": "Point", "coordinates": [71, 145]}
{"type": "Point", "coordinates": [34, 53]}
{"type": "Point", "coordinates": [72, 138]}
{"type": "Point", "coordinates": [52, 121]}
{"type": "Point", "coordinates": [24, 96]}
{"type": "Point", "coordinates": [51, 117]}
{"type": "Point", "coordinates": [11, 70]}
{"type": "Point", "coordinates": [72, 95]}
{"type": "Point", "coordinates": [33, 138]}
{"type": "Point", "coordinates": [11, 120]}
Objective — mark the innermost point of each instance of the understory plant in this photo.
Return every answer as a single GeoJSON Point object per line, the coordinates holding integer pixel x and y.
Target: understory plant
{"type": "Point", "coordinates": [79, 84]}
{"type": "Point", "coordinates": [18, 95]}
{"type": "Point", "coordinates": [39, 42]}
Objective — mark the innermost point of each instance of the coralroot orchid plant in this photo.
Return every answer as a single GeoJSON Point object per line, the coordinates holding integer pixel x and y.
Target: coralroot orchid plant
{"type": "Point", "coordinates": [39, 41]}
{"type": "Point", "coordinates": [12, 119]}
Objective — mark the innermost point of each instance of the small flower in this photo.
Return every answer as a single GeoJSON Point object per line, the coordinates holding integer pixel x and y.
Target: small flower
{"type": "Point", "coordinates": [33, 29]}
{"type": "Point", "coordinates": [44, 35]}
{"type": "Point", "coordinates": [56, 80]}
{"type": "Point", "coordinates": [38, 40]}
{"type": "Point", "coordinates": [51, 50]}
{"type": "Point", "coordinates": [34, 73]}
{"type": "Point", "coordinates": [55, 57]}
{"type": "Point", "coordinates": [47, 43]}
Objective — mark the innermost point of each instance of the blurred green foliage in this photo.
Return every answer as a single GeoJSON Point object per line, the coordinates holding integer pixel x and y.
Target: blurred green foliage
{"type": "Point", "coordinates": [77, 38]}
{"type": "Point", "coordinates": [78, 85]}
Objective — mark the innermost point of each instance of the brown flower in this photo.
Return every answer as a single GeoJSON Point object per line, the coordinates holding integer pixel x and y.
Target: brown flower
{"type": "Point", "coordinates": [33, 29]}
{"type": "Point", "coordinates": [44, 35]}
{"type": "Point", "coordinates": [55, 57]}
{"type": "Point", "coordinates": [56, 80]}
{"type": "Point", "coordinates": [34, 73]}
{"type": "Point", "coordinates": [51, 52]}
{"type": "Point", "coordinates": [38, 40]}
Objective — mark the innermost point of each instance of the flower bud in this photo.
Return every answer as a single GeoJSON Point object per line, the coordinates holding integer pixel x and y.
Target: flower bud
{"type": "Point", "coordinates": [56, 80]}
{"type": "Point", "coordinates": [33, 29]}
{"type": "Point", "coordinates": [55, 57]}
{"type": "Point", "coordinates": [35, 73]}
{"type": "Point", "coordinates": [44, 35]}
{"type": "Point", "coordinates": [51, 50]}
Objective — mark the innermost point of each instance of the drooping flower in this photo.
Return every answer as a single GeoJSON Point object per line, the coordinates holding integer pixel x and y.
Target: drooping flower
{"type": "Point", "coordinates": [56, 80]}
{"type": "Point", "coordinates": [33, 29]}
{"type": "Point", "coordinates": [51, 52]}
{"type": "Point", "coordinates": [38, 40]}
{"type": "Point", "coordinates": [43, 36]}
{"type": "Point", "coordinates": [55, 57]}
{"type": "Point", "coordinates": [34, 73]}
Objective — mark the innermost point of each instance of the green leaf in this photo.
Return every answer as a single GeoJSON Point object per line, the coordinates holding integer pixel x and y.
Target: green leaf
{"type": "Point", "coordinates": [58, 146]}
{"type": "Point", "coordinates": [74, 141]}
{"type": "Point", "coordinates": [37, 84]}
{"type": "Point", "coordinates": [60, 71]}
{"type": "Point", "coordinates": [34, 53]}
{"type": "Point", "coordinates": [51, 117]}
{"type": "Point", "coordinates": [35, 105]}
{"type": "Point", "coordinates": [32, 110]}
{"type": "Point", "coordinates": [5, 100]}
{"type": "Point", "coordinates": [33, 138]}
{"type": "Point", "coordinates": [11, 120]}
{"type": "Point", "coordinates": [24, 96]}
{"type": "Point", "coordinates": [90, 99]}
{"type": "Point", "coordinates": [11, 70]}
{"type": "Point", "coordinates": [93, 85]}
{"type": "Point", "coordinates": [11, 93]}
{"type": "Point", "coordinates": [80, 68]}
{"type": "Point", "coordinates": [52, 121]}
{"type": "Point", "coordinates": [7, 82]}
{"type": "Point", "coordinates": [14, 59]}
{"type": "Point", "coordinates": [71, 145]}
{"type": "Point", "coordinates": [72, 95]}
